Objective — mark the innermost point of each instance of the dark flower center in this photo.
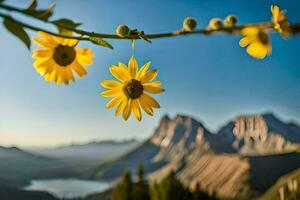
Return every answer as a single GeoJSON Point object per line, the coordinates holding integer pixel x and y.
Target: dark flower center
{"type": "Point", "coordinates": [64, 55]}
{"type": "Point", "coordinates": [133, 89]}
{"type": "Point", "coordinates": [263, 37]}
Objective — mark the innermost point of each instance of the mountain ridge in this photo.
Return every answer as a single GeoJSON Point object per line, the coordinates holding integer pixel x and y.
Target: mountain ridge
{"type": "Point", "coordinates": [223, 163]}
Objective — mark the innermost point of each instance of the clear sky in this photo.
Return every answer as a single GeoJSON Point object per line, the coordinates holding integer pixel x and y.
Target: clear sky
{"type": "Point", "coordinates": [210, 78]}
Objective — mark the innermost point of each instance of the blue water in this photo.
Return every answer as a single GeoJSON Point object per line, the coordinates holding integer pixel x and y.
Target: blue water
{"type": "Point", "coordinates": [68, 188]}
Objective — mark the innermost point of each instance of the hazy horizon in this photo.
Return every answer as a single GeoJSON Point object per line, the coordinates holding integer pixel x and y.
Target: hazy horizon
{"type": "Point", "coordinates": [209, 78]}
{"type": "Point", "coordinates": [89, 140]}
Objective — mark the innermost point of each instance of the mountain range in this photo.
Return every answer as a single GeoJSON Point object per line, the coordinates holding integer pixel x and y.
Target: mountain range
{"type": "Point", "coordinates": [243, 159]}
{"type": "Point", "coordinates": [88, 152]}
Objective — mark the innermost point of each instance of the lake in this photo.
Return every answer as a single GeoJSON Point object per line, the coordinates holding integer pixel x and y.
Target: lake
{"type": "Point", "coordinates": [68, 188]}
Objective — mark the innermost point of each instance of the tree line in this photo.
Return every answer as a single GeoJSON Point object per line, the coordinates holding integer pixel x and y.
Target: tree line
{"type": "Point", "coordinates": [169, 188]}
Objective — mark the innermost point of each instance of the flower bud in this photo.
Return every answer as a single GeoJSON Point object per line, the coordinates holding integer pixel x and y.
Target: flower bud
{"type": "Point", "coordinates": [215, 24]}
{"type": "Point", "coordinates": [122, 30]}
{"type": "Point", "coordinates": [189, 24]}
{"type": "Point", "coordinates": [230, 21]}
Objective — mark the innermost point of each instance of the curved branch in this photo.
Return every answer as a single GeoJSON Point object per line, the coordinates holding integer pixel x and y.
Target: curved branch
{"type": "Point", "coordinates": [295, 29]}
{"type": "Point", "coordinates": [34, 28]}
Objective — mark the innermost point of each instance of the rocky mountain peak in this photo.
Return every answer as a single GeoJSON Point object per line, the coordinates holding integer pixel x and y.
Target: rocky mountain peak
{"type": "Point", "coordinates": [253, 126]}
{"type": "Point", "coordinates": [171, 131]}
{"type": "Point", "coordinates": [260, 134]}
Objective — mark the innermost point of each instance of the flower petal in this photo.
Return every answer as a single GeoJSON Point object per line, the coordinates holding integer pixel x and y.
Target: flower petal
{"type": "Point", "coordinates": [149, 76]}
{"type": "Point", "coordinates": [127, 110]}
{"type": "Point", "coordinates": [258, 50]}
{"type": "Point", "coordinates": [84, 56]}
{"type": "Point", "coordinates": [42, 53]}
{"type": "Point", "coordinates": [71, 42]}
{"type": "Point", "coordinates": [275, 12]}
{"type": "Point", "coordinates": [149, 101]}
{"type": "Point", "coordinates": [47, 37]}
{"type": "Point", "coordinates": [146, 107]}
{"type": "Point", "coordinates": [153, 89]}
{"type": "Point", "coordinates": [132, 67]}
{"type": "Point", "coordinates": [115, 101]}
{"type": "Point", "coordinates": [64, 75]}
{"type": "Point", "coordinates": [120, 73]}
{"type": "Point", "coordinates": [43, 63]}
{"type": "Point", "coordinates": [121, 106]}
{"type": "Point", "coordinates": [70, 74]}
{"type": "Point", "coordinates": [245, 41]}
{"type": "Point", "coordinates": [110, 84]}
{"type": "Point", "coordinates": [111, 93]}
{"type": "Point", "coordinates": [136, 109]}
{"type": "Point", "coordinates": [155, 84]}
{"type": "Point", "coordinates": [250, 31]}
{"type": "Point", "coordinates": [43, 44]}
{"type": "Point", "coordinates": [79, 69]}
{"type": "Point", "coordinates": [143, 70]}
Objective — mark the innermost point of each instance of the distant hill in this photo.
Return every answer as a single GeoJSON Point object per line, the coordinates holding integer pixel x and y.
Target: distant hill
{"type": "Point", "coordinates": [17, 166]}
{"type": "Point", "coordinates": [243, 159]}
{"type": "Point", "coordinates": [89, 152]}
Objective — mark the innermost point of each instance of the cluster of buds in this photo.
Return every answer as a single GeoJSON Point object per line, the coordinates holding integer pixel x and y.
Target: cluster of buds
{"type": "Point", "coordinates": [217, 23]}
{"type": "Point", "coordinates": [190, 24]}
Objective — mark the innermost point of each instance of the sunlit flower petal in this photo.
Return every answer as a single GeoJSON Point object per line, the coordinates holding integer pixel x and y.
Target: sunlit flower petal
{"type": "Point", "coordinates": [258, 42]}
{"type": "Point", "coordinates": [280, 21]}
{"type": "Point", "coordinates": [110, 84]}
{"type": "Point", "coordinates": [132, 67]}
{"type": "Point", "coordinates": [119, 73]}
{"type": "Point", "coordinates": [149, 76]}
{"type": "Point", "coordinates": [153, 89]}
{"type": "Point", "coordinates": [136, 109]}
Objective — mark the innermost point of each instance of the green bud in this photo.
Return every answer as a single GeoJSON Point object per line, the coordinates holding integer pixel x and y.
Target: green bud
{"type": "Point", "coordinates": [215, 24]}
{"type": "Point", "coordinates": [122, 30]}
{"type": "Point", "coordinates": [230, 21]}
{"type": "Point", "coordinates": [189, 24]}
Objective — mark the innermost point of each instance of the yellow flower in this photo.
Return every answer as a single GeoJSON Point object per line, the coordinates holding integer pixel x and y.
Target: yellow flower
{"type": "Point", "coordinates": [129, 94]}
{"type": "Point", "coordinates": [257, 40]}
{"type": "Point", "coordinates": [58, 58]}
{"type": "Point", "coordinates": [280, 21]}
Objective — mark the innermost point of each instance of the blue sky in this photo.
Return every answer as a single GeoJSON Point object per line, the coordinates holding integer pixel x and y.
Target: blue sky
{"type": "Point", "coordinates": [210, 78]}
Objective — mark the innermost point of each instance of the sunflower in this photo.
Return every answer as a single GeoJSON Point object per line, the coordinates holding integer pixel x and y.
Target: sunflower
{"type": "Point", "coordinates": [257, 40]}
{"type": "Point", "coordinates": [280, 21]}
{"type": "Point", "coordinates": [129, 94]}
{"type": "Point", "coordinates": [59, 58]}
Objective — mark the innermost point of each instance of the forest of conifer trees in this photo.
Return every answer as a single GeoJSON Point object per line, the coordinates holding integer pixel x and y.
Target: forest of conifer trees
{"type": "Point", "coordinates": [170, 188]}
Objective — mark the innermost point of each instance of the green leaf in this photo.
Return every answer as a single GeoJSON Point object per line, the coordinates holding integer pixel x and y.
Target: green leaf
{"type": "Point", "coordinates": [1, 1]}
{"type": "Point", "coordinates": [33, 5]}
{"type": "Point", "coordinates": [67, 23]}
{"type": "Point", "coordinates": [43, 14]}
{"type": "Point", "coordinates": [17, 30]}
{"type": "Point", "coordinates": [100, 41]}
